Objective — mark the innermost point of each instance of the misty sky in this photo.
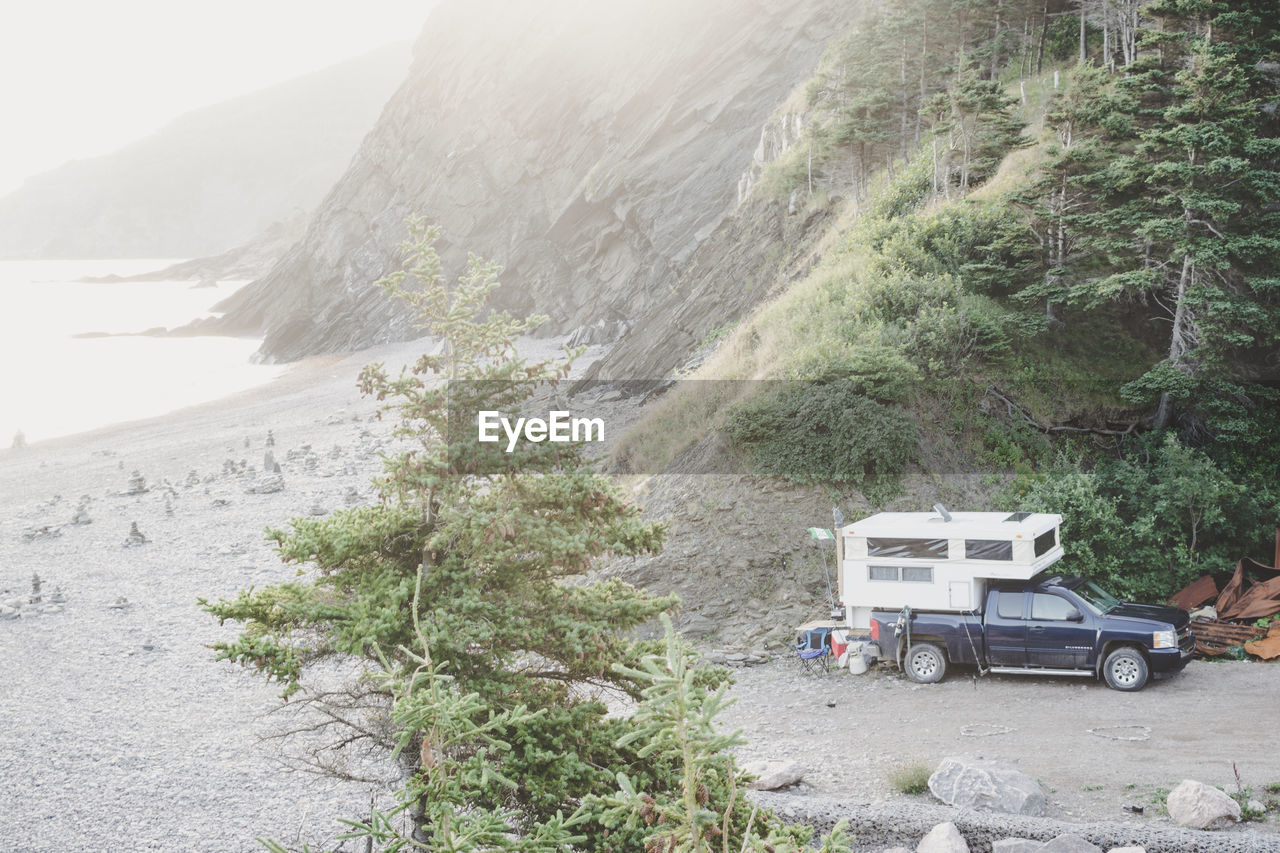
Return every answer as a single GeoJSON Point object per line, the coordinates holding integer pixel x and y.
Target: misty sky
{"type": "Point", "coordinates": [80, 78]}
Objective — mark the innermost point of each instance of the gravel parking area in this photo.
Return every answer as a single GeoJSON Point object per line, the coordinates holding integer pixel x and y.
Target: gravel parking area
{"type": "Point", "coordinates": [1095, 750]}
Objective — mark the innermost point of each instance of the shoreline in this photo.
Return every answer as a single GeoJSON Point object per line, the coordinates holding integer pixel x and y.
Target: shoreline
{"type": "Point", "coordinates": [116, 718]}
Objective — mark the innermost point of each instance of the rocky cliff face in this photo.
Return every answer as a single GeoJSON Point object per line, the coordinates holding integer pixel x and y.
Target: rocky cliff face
{"type": "Point", "coordinates": [589, 148]}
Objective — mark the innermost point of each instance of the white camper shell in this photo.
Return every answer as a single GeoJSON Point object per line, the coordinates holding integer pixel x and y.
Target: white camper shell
{"type": "Point", "coordinates": [938, 561]}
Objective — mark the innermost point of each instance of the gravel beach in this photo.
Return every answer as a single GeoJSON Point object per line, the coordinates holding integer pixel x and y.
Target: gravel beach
{"type": "Point", "coordinates": [118, 730]}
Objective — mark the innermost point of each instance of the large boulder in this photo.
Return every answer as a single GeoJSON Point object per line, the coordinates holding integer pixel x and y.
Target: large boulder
{"type": "Point", "coordinates": [1016, 845]}
{"type": "Point", "coordinates": [1068, 843]}
{"type": "Point", "coordinates": [772, 775]}
{"type": "Point", "coordinates": [979, 784]}
{"type": "Point", "coordinates": [1200, 806]}
{"type": "Point", "coordinates": [943, 838]}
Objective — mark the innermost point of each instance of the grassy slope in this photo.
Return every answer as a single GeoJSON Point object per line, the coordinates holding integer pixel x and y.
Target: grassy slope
{"type": "Point", "coordinates": [1065, 375]}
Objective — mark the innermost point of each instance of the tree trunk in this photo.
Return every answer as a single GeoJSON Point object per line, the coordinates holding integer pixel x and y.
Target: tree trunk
{"type": "Point", "coordinates": [1180, 339]}
{"type": "Point", "coordinates": [903, 151]}
{"type": "Point", "coordinates": [1044, 34]}
{"type": "Point", "coordinates": [924, 58]}
{"type": "Point", "coordinates": [995, 44]}
{"type": "Point", "coordinates": [1106, 35]}
{"type": "Point", "coordinates": [1084, 44]}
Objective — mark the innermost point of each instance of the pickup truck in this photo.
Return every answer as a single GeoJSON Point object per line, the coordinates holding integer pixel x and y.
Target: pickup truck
{"type": "Point", "coordinates": [1058, 625]}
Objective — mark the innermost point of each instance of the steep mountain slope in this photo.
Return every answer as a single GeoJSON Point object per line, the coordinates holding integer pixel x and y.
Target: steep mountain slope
{"type": "Point", "coordinates": [211, 179]}
{"type": "Point", "coordinates": [588, 148]}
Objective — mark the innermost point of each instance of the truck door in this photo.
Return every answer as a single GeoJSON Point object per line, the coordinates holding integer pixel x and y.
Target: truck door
{"type": "Point", "coordinates": [1053, 640]}
{"type": "Point", "coordinates": [1006, 630]}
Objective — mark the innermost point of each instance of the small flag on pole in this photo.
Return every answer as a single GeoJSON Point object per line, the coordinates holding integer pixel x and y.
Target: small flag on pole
{"type": "Point", "coordinates": [821, 533]}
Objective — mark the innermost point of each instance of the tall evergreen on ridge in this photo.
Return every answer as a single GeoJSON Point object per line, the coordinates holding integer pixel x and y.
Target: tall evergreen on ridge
{"type": "Point", "coordinates": [1198, 198]}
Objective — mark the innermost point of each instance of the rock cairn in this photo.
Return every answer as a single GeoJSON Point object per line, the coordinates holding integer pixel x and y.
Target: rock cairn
{"type": "Point", "coordinates": [81, 516]}
{"type": "Point", "coordinates": [137, 484]}
{"type": "Point", "coordinates": [135, 537]}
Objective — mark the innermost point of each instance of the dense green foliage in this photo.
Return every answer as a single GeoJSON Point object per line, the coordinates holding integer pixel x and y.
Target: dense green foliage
{"type": "Point", "coordinates": [487, 658]}
{"type": "Point", "coordinates": [829, 432]}
{"type": "Point", "coordinates": [1159, 516]}
{"type": "Point", "coordinates": [1067, 246]}
{"type": "Point", "coordinates": [704, 813]}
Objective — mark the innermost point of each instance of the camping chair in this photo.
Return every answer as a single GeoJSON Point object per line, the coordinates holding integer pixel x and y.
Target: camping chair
{"type": "Point", "coordinates": [813, 650]}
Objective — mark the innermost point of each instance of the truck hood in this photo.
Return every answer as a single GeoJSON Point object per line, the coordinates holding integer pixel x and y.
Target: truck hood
{"type": "Point", "coordinates": [1151, 613]}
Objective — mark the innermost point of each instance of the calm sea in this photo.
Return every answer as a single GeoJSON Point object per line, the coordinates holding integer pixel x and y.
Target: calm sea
{"type": "Point", "coordinates": [54, 383]}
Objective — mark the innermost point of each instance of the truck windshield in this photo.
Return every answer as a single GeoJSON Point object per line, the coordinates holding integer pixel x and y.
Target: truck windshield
{"type": "Point", "coordinates": [1096, 597]}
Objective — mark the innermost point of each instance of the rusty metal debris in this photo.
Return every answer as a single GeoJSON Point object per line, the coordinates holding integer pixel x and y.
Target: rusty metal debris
{"type": "Point", "coordinates": [1215, 638]}
{"type": "Point", "coordinates": [1267, 648]}
{"type": "Point", "coordinates": [1250, 593]}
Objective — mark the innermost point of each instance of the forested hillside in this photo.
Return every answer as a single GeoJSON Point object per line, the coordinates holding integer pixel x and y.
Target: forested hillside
{"type": "Point", "coordinates": [1052, 265]}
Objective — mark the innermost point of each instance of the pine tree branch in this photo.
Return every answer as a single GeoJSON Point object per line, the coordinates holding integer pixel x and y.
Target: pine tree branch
{"type": "Point", "coordinates": [1013, 409]}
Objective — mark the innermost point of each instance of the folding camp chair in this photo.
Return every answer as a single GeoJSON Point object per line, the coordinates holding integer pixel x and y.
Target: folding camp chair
{"type": "Point", "coordinates": [813, 650]}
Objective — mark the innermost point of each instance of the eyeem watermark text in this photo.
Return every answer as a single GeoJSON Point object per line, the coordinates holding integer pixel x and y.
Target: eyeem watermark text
{"type": "Point", "coordinates": [559, 427]}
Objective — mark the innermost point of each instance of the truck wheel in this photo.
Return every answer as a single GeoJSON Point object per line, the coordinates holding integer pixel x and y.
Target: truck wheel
{"type": "Point", "coordinates": [926, 664]}
{"type": "Point", "coordinates": [1125, 669]}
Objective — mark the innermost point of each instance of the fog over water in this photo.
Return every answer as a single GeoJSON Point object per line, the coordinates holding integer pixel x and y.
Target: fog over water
{"type": "Point", "coordinates": [53, 383]}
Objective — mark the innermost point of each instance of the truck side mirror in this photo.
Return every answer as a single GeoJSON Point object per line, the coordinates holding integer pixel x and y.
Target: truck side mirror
{"type": "Point", "coordinates": [1074, 615]}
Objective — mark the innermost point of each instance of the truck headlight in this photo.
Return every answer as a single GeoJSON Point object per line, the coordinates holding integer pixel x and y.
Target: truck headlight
{"type": "Point", "coordinates": [1164, 639]}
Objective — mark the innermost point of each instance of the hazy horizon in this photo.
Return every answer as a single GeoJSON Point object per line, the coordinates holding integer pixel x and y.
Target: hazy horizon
{"type": "Point", "coordinates": [120, 72]}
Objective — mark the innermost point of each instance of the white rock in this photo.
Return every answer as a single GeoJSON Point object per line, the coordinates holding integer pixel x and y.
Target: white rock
{"type": "Point", "coordinates": [1015, 845]}
{"type": "Point", "coordinates": [1200, 806]}
{"type": "Point", "coordinates": [974, 783]}
{"type": "Point", "coordinates": [773, 774]}
{"type": "Point", "coordinates": [1068, 843]}
{"type": "Point", "coordinates": [266, 485]}
{"type": "Point", "coordinates": [1127, 850]}
{"type": "Point", "coordinates": [943, 838]}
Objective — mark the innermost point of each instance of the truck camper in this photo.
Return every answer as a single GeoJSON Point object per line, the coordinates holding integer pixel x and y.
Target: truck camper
{"type": "Point", "coordinates": [938, 561]}
{"type": "Point", "coordinates": [974, 588]}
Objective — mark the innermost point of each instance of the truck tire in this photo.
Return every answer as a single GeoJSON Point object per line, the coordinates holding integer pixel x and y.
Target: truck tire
{"type": "Point", "coordinates": [1125, 669]}
{"type": "Point", "coordinates": [925, 663]}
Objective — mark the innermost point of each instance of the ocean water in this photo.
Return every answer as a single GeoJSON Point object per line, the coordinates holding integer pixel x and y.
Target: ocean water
{"type": "Point", "coordinates": [53, 383]}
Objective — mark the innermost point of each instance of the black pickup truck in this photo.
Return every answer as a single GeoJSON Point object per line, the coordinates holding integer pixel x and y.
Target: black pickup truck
{"type": "Point", "coordinates": [1049, 626]}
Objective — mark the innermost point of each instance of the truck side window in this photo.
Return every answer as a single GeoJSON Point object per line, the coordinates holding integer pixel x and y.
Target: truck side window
{"type": "Point", "coordinates": [1009, 605]}
{"type": "Point", "coordinates": [1044, 606]}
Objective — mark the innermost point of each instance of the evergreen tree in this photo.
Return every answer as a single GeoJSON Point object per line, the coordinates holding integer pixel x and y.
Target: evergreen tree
{"type": "Point", "coordinates": [1061, 201]}
{"type": "Point", "coordinates": [1198, 199]}
{"type": "Point", "coordinates": [460, 589]}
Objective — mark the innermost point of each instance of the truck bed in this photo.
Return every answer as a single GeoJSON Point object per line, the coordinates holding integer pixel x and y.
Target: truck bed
{"type": "Point", "coordinates": [959, 634]}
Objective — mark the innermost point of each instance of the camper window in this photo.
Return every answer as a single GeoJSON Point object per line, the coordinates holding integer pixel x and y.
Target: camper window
{"type": "Point", "coordinates": [917, 574]}
{"type": "Point", "coordinates": [988, 549]}
{"type": "Point", "coordinates": [905, 574]}
{"type": "Point", "coordinates": [916, 549]}
{"type": "Point", "coordinates": [1045, 542]}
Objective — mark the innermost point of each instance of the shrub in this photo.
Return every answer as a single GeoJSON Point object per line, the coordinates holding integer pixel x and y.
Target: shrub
{"type": "Point", "coordinates": [877, 370]}
{"type": "Point", "coordinates": [910, 778]}
{"type": "Point", "coordinates": [826, 433]}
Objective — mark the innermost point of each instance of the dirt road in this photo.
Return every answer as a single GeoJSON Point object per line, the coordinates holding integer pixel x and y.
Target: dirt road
{"type": "Point", "coordinates": [1096, 750]}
